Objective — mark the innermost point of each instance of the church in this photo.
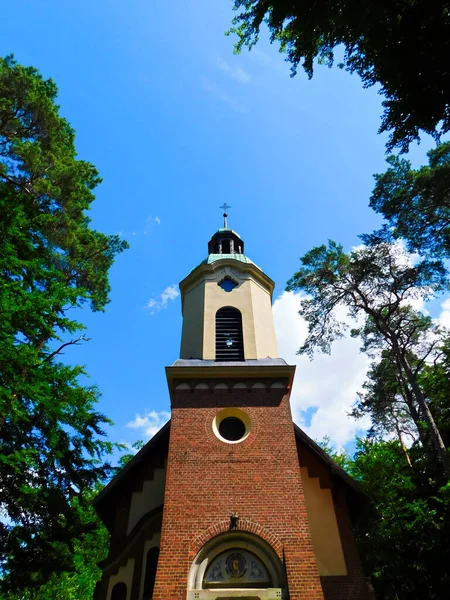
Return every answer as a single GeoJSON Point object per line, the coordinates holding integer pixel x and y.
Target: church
{"type": "Point", "coordinates": [231, 500]}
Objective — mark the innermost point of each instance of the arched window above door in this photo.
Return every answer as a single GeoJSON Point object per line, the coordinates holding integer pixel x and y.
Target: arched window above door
{"type": "Point", "coordinates": [237, 560]}
{"type": "Point", "coordinates": [236, 568]}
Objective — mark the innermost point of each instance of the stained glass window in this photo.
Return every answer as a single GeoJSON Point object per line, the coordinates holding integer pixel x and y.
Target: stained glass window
{"type": "Point", "coordinates": [236, 569]}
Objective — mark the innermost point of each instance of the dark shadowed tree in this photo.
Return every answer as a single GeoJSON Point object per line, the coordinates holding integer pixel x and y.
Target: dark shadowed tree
{"type": "Point", "coordinates": [401, 45]}
{"type": "Point", "coordinates": [375, 286]}
{"type": "Point", "coordinates": [87, 551]}
{"type": "Point", "coordinates": [403, 536]}
{"type": "Point", "coordinates": [51, 262]}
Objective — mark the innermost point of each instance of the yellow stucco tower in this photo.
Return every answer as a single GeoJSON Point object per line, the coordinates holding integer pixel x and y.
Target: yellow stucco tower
{"type": "Point", "coordinates": [209, 306]}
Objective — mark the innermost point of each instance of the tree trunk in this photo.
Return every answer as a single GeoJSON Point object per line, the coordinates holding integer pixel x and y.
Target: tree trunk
{"type": "Point", "coordinates": [405, 449]}
{"type": "Point", "coordinates": [408, 397]}
{"type": "Point", "coordinates": [428, 417]}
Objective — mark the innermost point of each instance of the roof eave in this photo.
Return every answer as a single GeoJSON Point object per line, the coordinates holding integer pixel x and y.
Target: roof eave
{"type": "Point", "coordinates": [118, 478]}
{"type": "Point", "coordinates": [335, 468]}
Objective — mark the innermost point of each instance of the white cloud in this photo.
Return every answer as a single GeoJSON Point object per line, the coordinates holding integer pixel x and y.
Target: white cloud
{"type": "Point", "coordinates": [276, 64]}
{"type": "Point", "coordinates": [149, 223]}
{"type": "Point", "coordinates": [170, 293]}
{"type": "Point", "coordinates": [236, 73]}
{"type": "Point", "coordinates": [327, 385]}
{"type": "Point", "coordinates": [150, 423]}
{"type": "Point", "coordinates": [218, 93]}
{"type": "Point", "coordinates": [415, 296]}
{"type": "Point", "coordinates": [444, 317]}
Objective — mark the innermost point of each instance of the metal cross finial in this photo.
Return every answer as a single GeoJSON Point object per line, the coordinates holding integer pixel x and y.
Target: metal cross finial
{"type": "Point", "coordinates": [225, 208]}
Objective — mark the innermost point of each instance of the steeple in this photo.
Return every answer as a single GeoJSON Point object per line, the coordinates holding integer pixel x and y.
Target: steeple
{"type": "Point", "coordinates": [225, 208]}
{"type": "Point", "coordinates": [227, 304]}
{"type": "Point", "coordinates": [225, 240]}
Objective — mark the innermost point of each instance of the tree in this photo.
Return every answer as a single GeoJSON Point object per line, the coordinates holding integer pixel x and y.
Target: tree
{"type": "Point", "coordinates": [407, 524]}
{"type": "Point", "coordinates": [125, 458]}
{"type": "Point", "coordinates": [51, 437]}
{"type": "Point", "coordinates": [375, 285]}
{"type": "Point", "coordinates": [435, 381]}
{"type": "Point", "coordinates": [415, 203]}
{"type": "Point", "coordinates": [88, 550]}
{"type": "Point", "coordinates": [340, 457]}
{"type": "Point", "coordinates": [401, 45]}
{"type": "Point", "coordinates": [389, 404]}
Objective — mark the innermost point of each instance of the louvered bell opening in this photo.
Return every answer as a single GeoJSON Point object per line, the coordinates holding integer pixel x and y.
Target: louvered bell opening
{"type": "Point", "coordinates": [229, 339]}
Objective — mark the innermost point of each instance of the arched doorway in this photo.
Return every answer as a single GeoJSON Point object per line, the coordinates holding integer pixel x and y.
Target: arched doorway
{"type": "Point", "coordinates": [237, 561]}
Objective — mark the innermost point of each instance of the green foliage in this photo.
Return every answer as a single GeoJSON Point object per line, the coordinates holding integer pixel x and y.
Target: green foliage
{"type": "Point", "coordinates": [416, 203]}
{"type": "Point", "coordinates": [371, 283]}
{"type": "Point", "coordinates": [403, 536]}
{"type": "Point", "coordinates": [434, 379]}
{"type": "Point", "coordinates": [87, 551]}
{"type": "Point", "coordinates": [51, 261]}
{"type": "Point", "coordinates": [401, 45]}
{"type": "Point", "coordinates": [340, 457]}
{"type": "Point", "coordinates": [374, 285]}
{"type": "Point", "coordinates": [125, 458]}
{"type": "Point", "coordinates": [387, 402]}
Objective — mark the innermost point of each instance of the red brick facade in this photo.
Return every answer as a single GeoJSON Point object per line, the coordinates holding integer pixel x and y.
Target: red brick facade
{"type": "Point", "coordinates": [259, 478]}
{"type": "Point", "coordinates": [208, 479]}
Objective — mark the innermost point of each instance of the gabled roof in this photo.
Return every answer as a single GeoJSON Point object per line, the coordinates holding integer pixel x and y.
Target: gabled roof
{"type": "Point", "coordinates": [103, 505]}
{"type": "Point", "coordinates": [102, 502]}
{"type": "Point", "coordinates": [330, 463]}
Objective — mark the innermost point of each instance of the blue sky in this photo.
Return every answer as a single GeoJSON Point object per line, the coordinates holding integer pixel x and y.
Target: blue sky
{"type": "Point", "coordinates": [177, 125]}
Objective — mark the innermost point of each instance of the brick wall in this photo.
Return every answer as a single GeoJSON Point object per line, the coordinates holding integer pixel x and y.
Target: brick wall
{"type": "Point", "coordinates": [258, 478]}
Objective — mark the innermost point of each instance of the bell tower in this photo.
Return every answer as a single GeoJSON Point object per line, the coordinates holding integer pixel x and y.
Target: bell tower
{"type": "Point", "coordinates": [230, 500]}
{"type": "Point", "coordinates": [235, 522]}
{"type": "Point", "coordinates": [227, 305]}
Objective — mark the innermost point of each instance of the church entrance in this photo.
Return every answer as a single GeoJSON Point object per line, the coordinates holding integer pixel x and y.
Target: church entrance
{"type": "Point", "coordinates": [237, 566]}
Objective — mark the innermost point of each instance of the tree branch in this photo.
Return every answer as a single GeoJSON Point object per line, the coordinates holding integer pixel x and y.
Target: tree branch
{"type": "Point", "coordinates": [82, 338]}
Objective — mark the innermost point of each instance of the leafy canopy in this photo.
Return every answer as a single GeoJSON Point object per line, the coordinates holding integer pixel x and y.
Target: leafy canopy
{"type": "Point", "coordinates": [385, 399]}
{"type": "Point", "coordinates": [407, 524]}
{"type": "Point", "coordinates": [51, 261]}
{"type": "Point", "coordinates": [88, 550]}
{"type": "Point", "coordinates": [401, 45]}
{"type": "Point", "coordinates": [374, 283]}
{"type": "Point", "coordinates": [415, 203]}
{"type": "Point", "coordinates": [375, 286]}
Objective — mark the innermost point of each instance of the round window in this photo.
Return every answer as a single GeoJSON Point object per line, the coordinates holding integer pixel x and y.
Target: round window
{"type": "Point", "coordinates": [232, 429]}
{"type": "Point", "coordinates": [231, 425]}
